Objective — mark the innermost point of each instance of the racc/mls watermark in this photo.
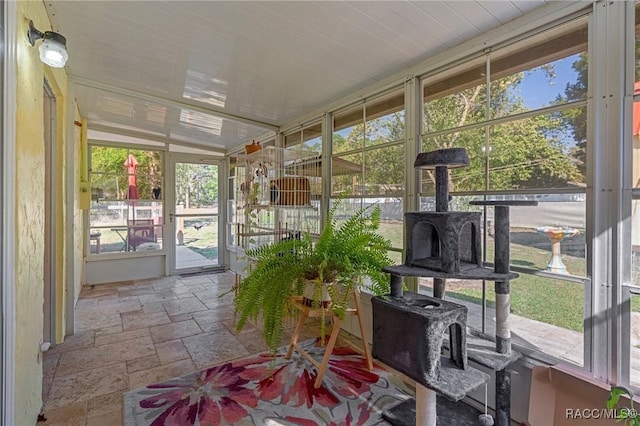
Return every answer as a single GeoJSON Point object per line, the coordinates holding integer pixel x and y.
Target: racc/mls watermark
{"type": "Point", "coordinates": [601, 413]}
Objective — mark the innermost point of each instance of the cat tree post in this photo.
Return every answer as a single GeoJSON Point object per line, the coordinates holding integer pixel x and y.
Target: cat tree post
{"type": "Point", "coordinates": [407, 335]}
{"type": "Point", "coordinates": [502, 259]}
{"type": "Point", "coordinates": [503, 308]}
{"type": "Point", "coordinates": [426, 407]}
{"type": "Point", "coordinates": [442, 205]}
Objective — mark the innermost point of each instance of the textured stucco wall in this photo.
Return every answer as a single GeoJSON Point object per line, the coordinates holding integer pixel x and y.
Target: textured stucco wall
{"type": "Point", "coordinates": [29, 225]}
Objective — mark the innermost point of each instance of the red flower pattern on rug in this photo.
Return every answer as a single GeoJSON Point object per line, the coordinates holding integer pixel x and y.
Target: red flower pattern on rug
{"type": "Point", "coordinates": [264, 388]}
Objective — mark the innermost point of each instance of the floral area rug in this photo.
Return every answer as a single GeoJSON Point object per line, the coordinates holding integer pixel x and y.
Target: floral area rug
{"type": "Point", "coordinates": [267, 390]}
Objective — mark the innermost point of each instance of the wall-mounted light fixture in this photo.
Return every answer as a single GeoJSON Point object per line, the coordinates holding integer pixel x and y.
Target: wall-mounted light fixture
{"type": "Point", "coordinates": [53, 50]}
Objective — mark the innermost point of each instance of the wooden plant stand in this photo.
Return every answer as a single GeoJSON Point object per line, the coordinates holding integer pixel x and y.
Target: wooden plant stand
{"type": "Point", "coordinates": [309, 312]}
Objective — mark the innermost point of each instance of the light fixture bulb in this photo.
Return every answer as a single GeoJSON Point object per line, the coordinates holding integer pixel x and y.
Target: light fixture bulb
{"type": "Point", "coordinates": [53, 50]}
{"type": "Point", "coordinates": [53, 53]}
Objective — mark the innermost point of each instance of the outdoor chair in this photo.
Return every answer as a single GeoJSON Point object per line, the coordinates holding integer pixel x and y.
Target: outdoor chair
{"type": "Point", "coordinates": [140, 231]}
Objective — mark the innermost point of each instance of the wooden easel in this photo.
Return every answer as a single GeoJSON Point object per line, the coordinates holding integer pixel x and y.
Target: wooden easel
{"type": "Point", "coordinates": [309, 312]}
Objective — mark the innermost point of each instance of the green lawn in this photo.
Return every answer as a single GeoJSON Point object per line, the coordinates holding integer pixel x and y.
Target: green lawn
{"type": "Point", "coordinates": [550, 301]}
{"type": "Point", "coordinates": [203, 240]}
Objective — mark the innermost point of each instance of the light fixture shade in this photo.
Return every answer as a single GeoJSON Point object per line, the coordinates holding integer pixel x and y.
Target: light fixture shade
{"type": "Point", "coordinates": [53, 53]}
{"type": "Point", "coordinates": [53, 50]}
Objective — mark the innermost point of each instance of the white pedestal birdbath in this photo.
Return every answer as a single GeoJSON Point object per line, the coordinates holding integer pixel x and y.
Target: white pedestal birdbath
{"type": "Point", "coordinates": [556, 235]}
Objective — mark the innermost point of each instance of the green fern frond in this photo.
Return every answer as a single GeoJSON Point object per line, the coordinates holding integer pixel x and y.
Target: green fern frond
{"type": "Point", "coordinates": [345, 252]}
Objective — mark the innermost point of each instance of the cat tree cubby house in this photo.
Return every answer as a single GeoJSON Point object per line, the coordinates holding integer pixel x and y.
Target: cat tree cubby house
{"type": "Point", "coordinates": [410, 328]}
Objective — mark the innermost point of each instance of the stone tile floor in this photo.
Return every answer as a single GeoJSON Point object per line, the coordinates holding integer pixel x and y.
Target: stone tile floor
{"type": "Point", "coordinates": [133, 334]}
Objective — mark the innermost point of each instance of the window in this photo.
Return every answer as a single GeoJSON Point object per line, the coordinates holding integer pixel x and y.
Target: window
{"type": "Point", "coordinates": [303, 159]}
{"type": "Point", "coordinates": [368, 166]}
{"type": "Point", "coordinates": [535, 152]}
{"type": "Point", "coordinates": [126, 200]}
{"type": "Point", "coordinates": [520, 112]}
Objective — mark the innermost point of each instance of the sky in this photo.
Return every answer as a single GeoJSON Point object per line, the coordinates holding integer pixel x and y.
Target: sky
{"type": "Point", "coordinates": [537, 91]}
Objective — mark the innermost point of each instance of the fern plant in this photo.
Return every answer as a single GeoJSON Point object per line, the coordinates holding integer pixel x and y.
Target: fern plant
{"type": "Point", "coordinates": [345, 253]}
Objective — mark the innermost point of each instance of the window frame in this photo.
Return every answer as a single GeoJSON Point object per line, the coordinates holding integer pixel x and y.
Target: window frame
{"type": "Point", "coordinates": [487, 192]}
{"type": "Point", "coordinates": [159, 228]}
{"type": "Point", "coordinates": [377, 100]}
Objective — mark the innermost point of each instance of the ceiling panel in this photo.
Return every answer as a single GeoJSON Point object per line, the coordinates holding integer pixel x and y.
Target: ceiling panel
{"type": "Point", "coordinates": [412, 20]}
{"type": "Point", "coordinates": [267, 61]}
{"type": "Point", "coordinates": [502, 11]}
{"type": "Point", "coordinates": [475, 16]}
{"type": "Point", "coordinates": [137, 116]}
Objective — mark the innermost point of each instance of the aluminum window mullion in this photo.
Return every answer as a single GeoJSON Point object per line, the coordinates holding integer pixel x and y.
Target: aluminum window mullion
{"type": "Point", "coordinates": [487, 147]}
{"type": "Point", "coordinates": [326, 168]}
{"type": "Point", "coordinates": [609, 172]}
{"type": "Point", "coordinates": [534, 191]}
{"type": "Point", "coordinates": [368, 99]}
{"type": "Point", "coordinates": [595, 332]}
{"type": "Point", "coordinates": [4, 311]}
{"type": "Point", "coordinates": [118, 174]}
{"type": "Point", "coordinates": [626, 20]}
{"type": "Point", "coordinates": [508, 118]}
{"type": "Point", "coordinates": [413, 101]}
{"type": "Point", "coordinates": [620, 19]}
{"type": "Point", "coordinates": [364, 145]}
{"type": "Point", "coordinates": [368, 148]}
{"type": "Point", "coordinates": [129, 146]}
{"type": "Point", "coordinates": [542, 273]}
{"type": "Point", "coordinates": [299, 128]}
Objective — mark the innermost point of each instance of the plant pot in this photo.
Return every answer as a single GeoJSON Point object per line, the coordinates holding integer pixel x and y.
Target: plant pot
{"type": "Point", "coordinates": [316, 294]}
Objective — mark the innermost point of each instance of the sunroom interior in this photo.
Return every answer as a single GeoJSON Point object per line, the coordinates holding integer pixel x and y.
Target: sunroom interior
{"type": "Point", "coordinates": [167, 145]}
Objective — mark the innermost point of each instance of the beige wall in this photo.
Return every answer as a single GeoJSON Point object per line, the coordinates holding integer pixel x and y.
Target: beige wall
{"type": "Point", "coordinates": [29, 224]}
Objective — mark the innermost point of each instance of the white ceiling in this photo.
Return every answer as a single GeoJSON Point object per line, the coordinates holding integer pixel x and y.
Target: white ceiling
{"type": "Point", "coordinates": [219, 73]}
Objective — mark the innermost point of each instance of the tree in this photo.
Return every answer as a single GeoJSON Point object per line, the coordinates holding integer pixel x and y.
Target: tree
{"type": "Point", "coordinates": [520, 154]}
{"type": "Point", "coordinates": [109, 172]}
{"type": "Point", "coordinates": [385, 166]}
{"type": "Point", "coordinates": [576, 119]}
{"type": "Point", "coordinates": [381, 171]}
{"type": "Point", "coordinates": [196, 184]}
{"type": "Point", "coordinates": [527, 153]}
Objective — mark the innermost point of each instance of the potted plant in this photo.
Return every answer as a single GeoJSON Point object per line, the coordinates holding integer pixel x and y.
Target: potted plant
{"type": "Point", "coordinates": [627, 414]}
{"type": "Point", "coordinates": [344, 254]}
